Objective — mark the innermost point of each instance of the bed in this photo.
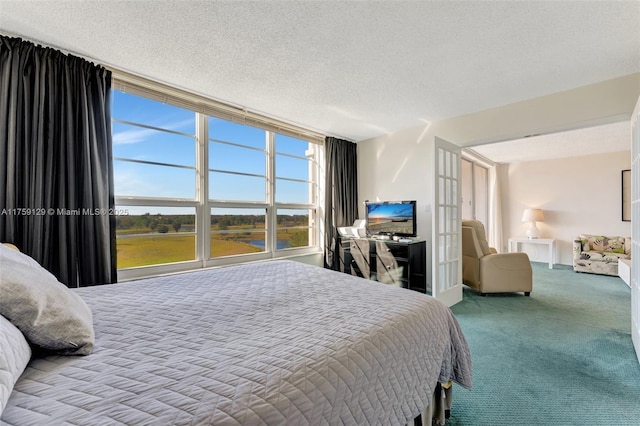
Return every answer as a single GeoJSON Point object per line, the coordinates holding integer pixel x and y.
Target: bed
{"type": "Point", "coordinates": [277, 342]}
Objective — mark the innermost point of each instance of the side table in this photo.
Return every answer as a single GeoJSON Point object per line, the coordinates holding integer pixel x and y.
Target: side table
{"type": "Point", "coordinates": [514, 245]}
{"type": "Point", "coordinates": [624, 270]}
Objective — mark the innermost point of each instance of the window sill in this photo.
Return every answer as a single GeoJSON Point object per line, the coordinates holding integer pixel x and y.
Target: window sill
{"type": "Point", "coordinates": [310, 255]}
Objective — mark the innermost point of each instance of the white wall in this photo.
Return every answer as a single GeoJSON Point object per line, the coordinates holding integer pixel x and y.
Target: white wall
{"type": "Point", "coordinates": [396, 167]}
{"type": "Point", "coordinates": [606, 102]}
{"type": "Point", "coordinates": [578, 195]}
{"type": "Point", "coordinates": [399, 166]}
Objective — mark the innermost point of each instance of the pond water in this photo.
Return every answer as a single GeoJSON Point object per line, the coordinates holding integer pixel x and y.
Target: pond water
{"type": "Point", "coordinates": [280, 244]}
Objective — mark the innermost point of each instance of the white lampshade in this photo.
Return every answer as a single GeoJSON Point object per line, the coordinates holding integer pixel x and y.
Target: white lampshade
{"type": "Point", "coordinates": [533, 215]}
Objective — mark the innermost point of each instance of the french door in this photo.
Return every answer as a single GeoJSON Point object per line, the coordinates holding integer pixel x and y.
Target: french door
{"type": "Point", "coordinates": [447, 228]}
{"type": "Point", "coordinates": [635, 229]}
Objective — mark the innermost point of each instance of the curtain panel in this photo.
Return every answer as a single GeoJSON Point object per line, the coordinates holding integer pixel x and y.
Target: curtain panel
{"type": "Point", "coordinates": [341, 193]}
{"type": "Point", "coordinates": [495, 210]}
{"type": "Point", "coordinates": [56, 171]}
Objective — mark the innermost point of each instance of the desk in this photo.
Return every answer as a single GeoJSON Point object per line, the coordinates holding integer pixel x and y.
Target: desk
{"type": "Point", "coordinates": [387, 261]}
{"type": "Point", "coordinates": [514, 243]}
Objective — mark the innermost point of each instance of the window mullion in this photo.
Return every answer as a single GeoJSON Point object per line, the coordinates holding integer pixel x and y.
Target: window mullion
{"type": "Point", "coordinates": [203, 213]}
{"type": "Point", "coordinates": [154, 201]}
{"type": "Point", "coordinates": [272, 229]}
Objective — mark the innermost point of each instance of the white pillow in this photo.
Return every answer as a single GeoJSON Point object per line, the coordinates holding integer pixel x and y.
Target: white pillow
{"type": "Point", "coordinates": [47, 312]}
{"type": "Point", "coordinates": [15, 353]}
{"type": "Point", "coordinates": [9, 251]}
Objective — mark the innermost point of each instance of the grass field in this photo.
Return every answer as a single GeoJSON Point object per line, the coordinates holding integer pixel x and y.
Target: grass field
{"type": "Point", "coordinates": [154, 250]}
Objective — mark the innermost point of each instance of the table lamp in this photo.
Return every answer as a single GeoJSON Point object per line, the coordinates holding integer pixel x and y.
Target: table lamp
{"type": "Point", "coordinates": [532, 216]}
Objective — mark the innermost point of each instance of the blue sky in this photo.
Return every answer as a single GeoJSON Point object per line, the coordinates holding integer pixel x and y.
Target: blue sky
{"type": "Point", "coordinates": [177, 146]}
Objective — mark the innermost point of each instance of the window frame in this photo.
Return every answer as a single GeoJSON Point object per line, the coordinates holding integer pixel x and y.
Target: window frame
{"type": "Point", "coordinates": [203, 204]}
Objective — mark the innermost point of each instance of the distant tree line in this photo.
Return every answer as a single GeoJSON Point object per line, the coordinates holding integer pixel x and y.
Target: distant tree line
{"type": "Point", "coordinates": [227, 221]}
{"type": "Point", "coordinates": [156, 222]}
{"type": "Point", "coordinates": [165, 223]}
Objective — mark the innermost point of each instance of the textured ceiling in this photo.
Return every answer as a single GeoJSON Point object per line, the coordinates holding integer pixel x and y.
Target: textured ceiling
{"type": "Point", "coordinates": [351, 69]}
{"type": "Point", "coordinates": [588, 141]}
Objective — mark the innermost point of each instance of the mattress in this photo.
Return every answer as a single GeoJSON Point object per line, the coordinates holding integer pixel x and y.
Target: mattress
{"type": "Point", "coordinates": [268, 343]}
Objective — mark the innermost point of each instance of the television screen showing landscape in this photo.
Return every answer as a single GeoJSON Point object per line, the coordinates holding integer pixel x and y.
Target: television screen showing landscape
{"type": "Point", "coordinates": [394, 218]}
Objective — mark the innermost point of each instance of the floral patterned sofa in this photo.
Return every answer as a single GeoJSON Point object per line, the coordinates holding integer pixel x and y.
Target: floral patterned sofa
{"type": "Point", "coordinates": [599, 254]}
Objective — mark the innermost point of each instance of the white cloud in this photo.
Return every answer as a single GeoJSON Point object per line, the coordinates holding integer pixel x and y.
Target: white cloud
{"type": "Point", "coordinates": [140, 134]}
{"type": "Point", "coordinates": [131, 136]}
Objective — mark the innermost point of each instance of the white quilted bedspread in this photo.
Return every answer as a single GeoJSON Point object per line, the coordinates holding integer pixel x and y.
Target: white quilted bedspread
{"type": "Point", "coordinates": [271, 343]}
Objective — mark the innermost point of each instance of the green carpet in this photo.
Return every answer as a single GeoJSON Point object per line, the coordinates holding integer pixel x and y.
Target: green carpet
{"type": "Point", "coordinates": [563, 356]}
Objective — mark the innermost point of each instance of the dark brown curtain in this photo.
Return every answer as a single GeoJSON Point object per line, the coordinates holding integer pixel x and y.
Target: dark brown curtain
{"type": "Point", "coordinates": [56, 172]}
{"type": "Point", "coordinates": [341, 193]}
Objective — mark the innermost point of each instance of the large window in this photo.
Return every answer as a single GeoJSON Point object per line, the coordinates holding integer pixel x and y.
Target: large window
{"type": "Point", "coordinates": [154, 148]}
{"type": "Point", "coordinates": [202, 190]}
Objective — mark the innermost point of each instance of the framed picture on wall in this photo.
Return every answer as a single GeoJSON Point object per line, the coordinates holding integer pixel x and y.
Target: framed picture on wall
{"type": "Point", "coordinates": [626, 195]}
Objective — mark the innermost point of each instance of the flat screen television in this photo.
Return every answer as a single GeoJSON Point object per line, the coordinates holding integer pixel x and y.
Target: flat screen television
{"type": "Point", "coordinates": [393, 218]}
